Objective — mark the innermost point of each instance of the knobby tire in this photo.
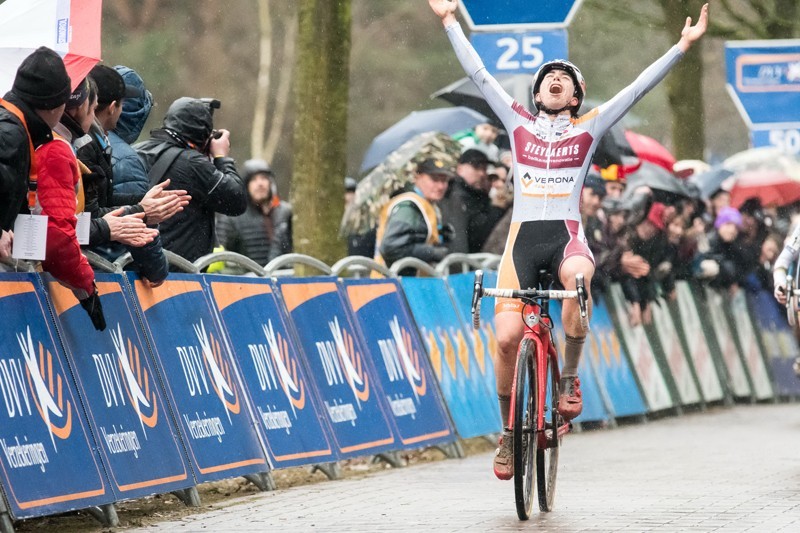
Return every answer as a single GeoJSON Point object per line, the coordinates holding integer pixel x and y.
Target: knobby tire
{"type": "Point", "coordinates": [524, 426]}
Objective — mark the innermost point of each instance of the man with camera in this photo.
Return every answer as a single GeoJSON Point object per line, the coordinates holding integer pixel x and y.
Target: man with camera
{"type": "Point", "coordinates": [189, 152]}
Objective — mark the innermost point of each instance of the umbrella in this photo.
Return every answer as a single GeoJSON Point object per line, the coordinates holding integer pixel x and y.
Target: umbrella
{"type": "Point", "coordinates": [771, 186]}
{"type": "Point", "coordinates": [649, 149]}
{"type": "Point", "coordinates": [663, 182]}
{"type": "Point", "coordinates": [711, 181]}
{"type": "Point", "coordinates": [448, 120]}
{"type": "Point", "coordinates": [394, 173]}
{"type": "Point", "coordinates": [70, 27]}
{"type": "Point", "coordinates": [763, 159]}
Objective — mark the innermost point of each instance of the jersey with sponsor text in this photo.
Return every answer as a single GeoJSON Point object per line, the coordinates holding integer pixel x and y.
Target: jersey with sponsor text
{"type": "Point", "coordinates": [551, 157]}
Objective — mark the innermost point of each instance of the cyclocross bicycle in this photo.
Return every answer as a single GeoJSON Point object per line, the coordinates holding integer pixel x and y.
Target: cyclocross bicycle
{"type": "Point", "coordinates": [536, 426]}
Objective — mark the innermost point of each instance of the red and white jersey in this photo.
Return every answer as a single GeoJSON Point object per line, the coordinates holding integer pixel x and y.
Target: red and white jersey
{"type": "Point", "coordinates": [551, 157]}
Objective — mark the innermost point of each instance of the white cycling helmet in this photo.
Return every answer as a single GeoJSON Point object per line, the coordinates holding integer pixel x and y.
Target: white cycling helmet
{"type": "Point", "coordinates": [566, 66]}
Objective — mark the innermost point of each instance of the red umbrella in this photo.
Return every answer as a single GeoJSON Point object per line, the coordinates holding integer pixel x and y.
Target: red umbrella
{"type": "Point", "coordinates": [771, 186]}
{"type": "Point", "coordinates": [650, 149]}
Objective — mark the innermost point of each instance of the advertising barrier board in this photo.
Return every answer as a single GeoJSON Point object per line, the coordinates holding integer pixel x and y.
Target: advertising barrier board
{"type": "Point", "coordinates": [690, 328]}
{"type": "Point", "coordinates": [718, 326]}
{"type": "Point", "coordinates": [337, 360]}
{"type": "Point", "coordinates": [484, 340]}
{"type": "Point", "coordinates": [472, 406]}
{"type": "Point", "coordinates": [749, 346]}
{"type": "Point", "coordinates": [200, 378]}
{"type": "Point", "coordinates": [613, 368]}
{"type": "Point", "coordinates": [121, 391]}
{"type": "Point", "coordinates": [391, 338]}
{"type": "Point", "coordinates": [47, 459]}
{"type": "Point", "coordinates": [281, 392]}
{"type": "Point", "coordinates": [779, 343]}
{"type": "Point", "coordinates": [680, 367]}
{"type": "Point", "coordinates": [643, 359]}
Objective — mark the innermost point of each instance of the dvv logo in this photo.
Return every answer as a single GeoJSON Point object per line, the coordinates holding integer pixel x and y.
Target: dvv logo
{"type": "Point", "coordinates": [343, 363]}
{"type": "Point", "coordinates": [136, 383]}
{"type": "Point", "coordinates": [285, 368]}
{"type": "Point", "coordinates": [401, 360]}
{"type": "Point", "coordinates": [44, 381]}
{"type": "Point", "coordinates": [218, 368]}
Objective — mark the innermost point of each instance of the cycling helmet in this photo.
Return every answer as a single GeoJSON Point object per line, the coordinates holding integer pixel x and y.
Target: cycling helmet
{"type": "Point", "coordinates": [566, 66]}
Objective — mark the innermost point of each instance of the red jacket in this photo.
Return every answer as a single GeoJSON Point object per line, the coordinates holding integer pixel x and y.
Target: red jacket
{"type": "Point", "coordinates": [58, 177]}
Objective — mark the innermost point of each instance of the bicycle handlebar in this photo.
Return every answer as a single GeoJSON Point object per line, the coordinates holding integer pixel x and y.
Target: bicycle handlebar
{"type": "Point", "coordinates": [479, 292]}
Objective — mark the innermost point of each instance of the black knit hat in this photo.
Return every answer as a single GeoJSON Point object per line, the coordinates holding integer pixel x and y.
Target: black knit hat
{"type": "Point", "coordinates": [42, 81]}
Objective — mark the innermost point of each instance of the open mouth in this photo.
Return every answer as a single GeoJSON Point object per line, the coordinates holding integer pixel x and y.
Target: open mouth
{"type": "Point", "coordinates": [556, 89]}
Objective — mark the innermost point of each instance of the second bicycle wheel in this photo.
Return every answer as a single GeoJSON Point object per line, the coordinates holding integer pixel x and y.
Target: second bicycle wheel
{"type": "Point", "coordinates": [548, 445]}
{"type": "Point", "coordinates": [524, 428]}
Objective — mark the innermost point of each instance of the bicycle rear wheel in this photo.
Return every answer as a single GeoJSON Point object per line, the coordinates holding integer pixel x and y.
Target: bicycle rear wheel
{"type": "Point", "coordinates": [524, 428]}
{"type": "Point", "coordinates": [548, 446]}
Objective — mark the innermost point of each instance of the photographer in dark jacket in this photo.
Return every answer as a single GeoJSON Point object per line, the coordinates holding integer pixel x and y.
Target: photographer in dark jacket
{"type": "Point", "coordinates": [194, 156]}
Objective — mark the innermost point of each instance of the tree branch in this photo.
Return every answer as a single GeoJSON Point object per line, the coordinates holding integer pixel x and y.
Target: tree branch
{"type": "Point", "coordinates": [284, 88]}
{"type": "Point", "coordinates": [263, 80]}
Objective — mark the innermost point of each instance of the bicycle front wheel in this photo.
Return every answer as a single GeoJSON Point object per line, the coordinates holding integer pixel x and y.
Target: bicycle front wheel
{"type": "Point", "coordinates": [548, 445]}
{"type": "Point", "coordinates": [525, 428]}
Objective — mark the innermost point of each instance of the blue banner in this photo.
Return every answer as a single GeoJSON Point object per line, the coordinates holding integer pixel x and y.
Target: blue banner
{"type": "Point", "coordinates": [337, 360]}
{"type": "Point", "coordinates": [764, 80]}
{"type": "Point", "coordinates": [612, 365]}
{"type": "Point", "coordinates": [484, 340]}
{"type": "Point", "coordinates": [47, 461]}
{"type": "Point", "coordinates": [471, 404]}
{"type": "Point", "coordinates": [391, 338]}
{"type": "Point", "coordinates": [289, 416]}
{"type": "Point", "coordinates": [200, 377]}
{"type": "Point", "coordinates": [787, 140]}
{"type": "Point", "coordinates": [121, 392]}
{"type": "Point", "coordinates": [780, 345]}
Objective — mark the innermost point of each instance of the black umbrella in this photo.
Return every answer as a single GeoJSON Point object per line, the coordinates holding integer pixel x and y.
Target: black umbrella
{"type": "Point", "coordinates": [666, 186]}
{"type": "Point", "coordinates": [710, 182]}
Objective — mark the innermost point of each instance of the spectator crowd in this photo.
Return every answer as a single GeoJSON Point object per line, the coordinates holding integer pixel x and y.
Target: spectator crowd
{"type": "Point", "coordinates": [72, 183]}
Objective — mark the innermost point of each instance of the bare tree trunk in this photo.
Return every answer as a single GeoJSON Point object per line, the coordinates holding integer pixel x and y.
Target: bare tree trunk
{"type": "Point", "coordinates": [685, 86]}
{"type": "Point", "coordinates": [284, 89]}
{"type": "Point", "coordinates": [263, 81]}
{"type": "Point", "coordinates": [320, 133]}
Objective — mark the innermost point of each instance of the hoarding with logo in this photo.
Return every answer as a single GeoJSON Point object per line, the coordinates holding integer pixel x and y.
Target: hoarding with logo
{"type": "Point", "coordinates": [200, 377]}
{"type": "Point", "coordinates": [678, 364]}
{"type": "Point", "coordinates": [718, 327]}
{"type": "Point", "coordinates": [122, 392]}
{"type": "Point", "coordinates": [47, 462]}
{"type": "Point", "coordinates": [748, 343]}
{"type": "Point", "coordinates": [282, 393]}
{"type": "Point", "coordinates": [350, 393]}
{"type": "Point", "coordinates": [779, 343]}
{"type": "Point", "coordinates": [472, 405]}
{"type": "Point", "coordinates": [612, 365]}
{"type": "Point", "coordinates": [484, 340]}
{"type": "Point", "coordinates": [391, 338]}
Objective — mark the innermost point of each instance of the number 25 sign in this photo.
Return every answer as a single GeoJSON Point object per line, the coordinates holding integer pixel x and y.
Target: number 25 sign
{"type": "Point", "coordinates": [514, 53]}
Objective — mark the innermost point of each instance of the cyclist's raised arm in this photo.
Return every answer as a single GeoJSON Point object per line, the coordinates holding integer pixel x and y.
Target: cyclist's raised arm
{"type": "Point", "coordinates": [499, 100]}
{"type": "Point", "coordinates": [614, 109]}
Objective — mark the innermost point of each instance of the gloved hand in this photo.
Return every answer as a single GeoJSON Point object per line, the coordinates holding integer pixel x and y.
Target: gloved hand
{"type": "Point", "coordinates": [448, 232]}
{"type": "Point", "coordinates": [708, 269]}
{"type": "Point", "coordinates": [95, 310]}
{"type": "Point", "coordinates": [779, 282]}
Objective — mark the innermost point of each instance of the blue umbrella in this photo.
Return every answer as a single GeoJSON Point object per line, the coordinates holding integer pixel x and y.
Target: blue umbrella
{"type": "Point", "coordinates": [447, 120]}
